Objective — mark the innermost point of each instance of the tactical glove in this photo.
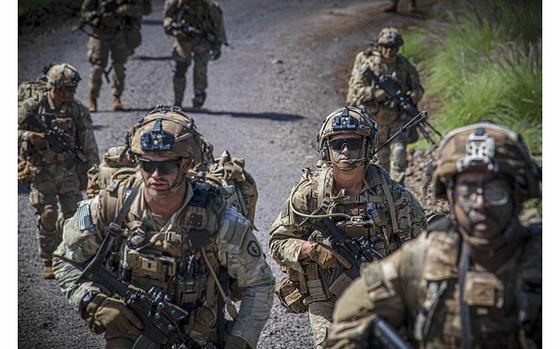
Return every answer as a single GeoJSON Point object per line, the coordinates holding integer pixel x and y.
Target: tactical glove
{"type": "Point", "coordinates": [113, 315]}
{"type": "Point", "coordinates": [326, 257]}
{"type": "Point", "coordinates": [413, 97]}
{"type": "Point", "coordinates": [234, 342]}
{"type": "Point", "coordinates": [380, 95]}
{"type": "Point", "coordinates": [37, 140]}
{"type": "Point", "coordinates": [215, 54]}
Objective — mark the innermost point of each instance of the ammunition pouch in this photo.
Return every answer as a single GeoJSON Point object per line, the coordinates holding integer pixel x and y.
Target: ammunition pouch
{"type": "Point", "coordinates": [290, 296]}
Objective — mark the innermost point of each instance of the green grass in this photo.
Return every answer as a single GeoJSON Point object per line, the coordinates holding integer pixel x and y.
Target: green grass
{"type": "Point", "coordinates": [28, 4]}
{"type": "Point", "coordinates": [484, 62]}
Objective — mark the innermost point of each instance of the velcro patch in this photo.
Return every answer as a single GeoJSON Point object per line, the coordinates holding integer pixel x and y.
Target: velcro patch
{"type": "Point", "coordinates": [85, 221]}
{"type": "Point", "coordinates": [373, 276]}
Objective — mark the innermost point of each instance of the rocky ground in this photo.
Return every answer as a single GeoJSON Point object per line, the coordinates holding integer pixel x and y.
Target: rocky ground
{"type": "Point", "coordinates": [286, 68]}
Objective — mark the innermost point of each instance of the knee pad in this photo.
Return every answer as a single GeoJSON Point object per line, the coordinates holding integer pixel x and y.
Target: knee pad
{"type": "Point", "coordinates": [48, 218]}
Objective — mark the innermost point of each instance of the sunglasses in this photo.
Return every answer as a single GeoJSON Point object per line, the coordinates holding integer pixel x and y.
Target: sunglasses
{"type": "Point", "coordinates": [493, 194]}
{"type": "Point", "coordinates": [163, 167]}
{"type": "Point", "coordinates": [391, 47]}
{"type": "Point", "coordinates": [351, 143]}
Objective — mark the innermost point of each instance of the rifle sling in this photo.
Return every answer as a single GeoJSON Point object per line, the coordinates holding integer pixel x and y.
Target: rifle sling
{"type": "Point", "coordinates": [116, 225]}
{"type": "Point", "coordinates": [464, 308]}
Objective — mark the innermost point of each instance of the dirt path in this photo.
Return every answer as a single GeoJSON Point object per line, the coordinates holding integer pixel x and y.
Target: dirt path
{"type": "Point", "coordinates": [287, 68]}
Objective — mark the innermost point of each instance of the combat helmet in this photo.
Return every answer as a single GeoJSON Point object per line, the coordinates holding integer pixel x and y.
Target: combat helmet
{"type": "Point", "coordinates": [62, 75]}
{"type": "Point", "coordinates": [169, 130]}
{"type": "Point", "coordinates": [389, 36]}
{"type": "Point", "coordinates": [347, 119]}
{"type": "Point", "coordinates": [487, 146]}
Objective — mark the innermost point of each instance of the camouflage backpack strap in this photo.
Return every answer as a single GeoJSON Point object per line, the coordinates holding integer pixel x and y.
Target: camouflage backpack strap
{"type": "Point", "coordinates": [323, 184]}
{"type": "Point", "coordinates": [529, 288]}
{"type": "Point", "coordinates": [380, 178]}
{"type": "Point", "coordinates": [437, 282]}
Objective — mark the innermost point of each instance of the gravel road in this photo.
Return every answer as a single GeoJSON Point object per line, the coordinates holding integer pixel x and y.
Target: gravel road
{"type": "Point", "coordinates": [287, 67]}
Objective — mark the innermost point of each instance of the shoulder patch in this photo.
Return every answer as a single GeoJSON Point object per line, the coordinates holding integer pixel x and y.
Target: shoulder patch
{"type": "Point", "coordinates": [83, 213]}
{"type": "Point", "coordinates": [253, 249]}
{"type": "Point", "coordinates": [233, 229]}
{"type": "Point", "coordinates": [373, 276]}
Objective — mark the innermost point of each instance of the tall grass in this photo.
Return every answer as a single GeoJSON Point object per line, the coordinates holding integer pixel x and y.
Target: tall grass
{"type": "Point", "coordinates": [483, 61]}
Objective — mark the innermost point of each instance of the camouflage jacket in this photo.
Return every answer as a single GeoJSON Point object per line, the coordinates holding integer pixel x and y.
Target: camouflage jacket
{"type": "Point", "coordinates": [361, 90]}
{"type": "Point", "coordinates": [203, 15]}
{"type": "Point", "coordinates": [417, 289]}
{"type": "Point", "coordinates": [153, 255]}
{"type": "Point", "coordinates": [110, 16]}
{"type": "Point", "coordinates": [73, 118]}
{"type": "Point", "coordinates": [393, 215]}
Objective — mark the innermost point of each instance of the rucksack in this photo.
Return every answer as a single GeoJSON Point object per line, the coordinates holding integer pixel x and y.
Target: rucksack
{"type": "Point", "coordinates": [238, 186]}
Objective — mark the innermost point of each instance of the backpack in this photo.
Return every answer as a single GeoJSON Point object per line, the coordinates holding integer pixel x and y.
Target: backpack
{"type": "Point", "coordinates": [229, 174]}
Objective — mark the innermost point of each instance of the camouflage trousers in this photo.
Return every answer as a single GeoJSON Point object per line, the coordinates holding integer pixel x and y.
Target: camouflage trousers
{"type": "Point", "coordinates": [320, 318]}
{"type": "Point", "coordinates": [393, 157]}
{"type": "Point", "coordinates": [98, 56]}
{"type": "Point", "coordinates": [184, 51]}
{"type": "Point", "coordinates": [60, 185]}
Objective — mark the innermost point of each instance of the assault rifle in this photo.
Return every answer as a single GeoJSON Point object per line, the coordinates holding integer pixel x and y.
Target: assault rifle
{"type": "Point", "coordinates": [399, 98]}
{"type": "Point", "coordinates": [58, 139]}
{"type": "Point", "coordinates": [162, 320]}
{"type": "Point", "coordinates": [193, 31]}
{"type": "Point", "coordinates": [356, 251]}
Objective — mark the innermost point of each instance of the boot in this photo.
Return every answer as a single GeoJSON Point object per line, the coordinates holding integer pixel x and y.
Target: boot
{"type": "Point", "coordinates": [92, 105]}
{"type": "Point", "coordinates": [117, 105]}
{"type": "Point", "coordinates": [198, 100]}
{"type": "Point", "coordinates": [47, 273]}
{"type": "Point", "coordinates": [392, 8]}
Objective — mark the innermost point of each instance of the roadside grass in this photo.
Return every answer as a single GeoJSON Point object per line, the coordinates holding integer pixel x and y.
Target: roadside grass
{"type": "Point", "coordinates": [483, 61]}
{"type": "Point", "coordinates": [28, 4]}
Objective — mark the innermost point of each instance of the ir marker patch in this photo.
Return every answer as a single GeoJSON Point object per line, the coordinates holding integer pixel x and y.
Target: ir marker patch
{"type": "Point", "coordinates": [254, 249]}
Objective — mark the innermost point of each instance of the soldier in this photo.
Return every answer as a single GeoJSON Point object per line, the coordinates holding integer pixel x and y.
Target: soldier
{"type": "Point", "coordinates": [56, 146]}
{"type": "Point", "coordinates": [157, 246]}
{"type": "Point", "coordinates": [362, 200]}
{"type": "Point", "coordinates": [133, 26]}
{"type": "Point", "coordinates": [395, 6]}
{"type": "Point", "coordinates": [198, 27]}
{"type": "Point", "coordinates": [362, 92]}
{"type": "Point", "coordinates": [111, 22]}
{"type": "Point", "coordinates": [472, 280]}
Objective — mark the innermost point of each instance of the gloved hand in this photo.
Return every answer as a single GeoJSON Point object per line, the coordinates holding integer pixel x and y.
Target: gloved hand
{"type": "Point", "coordinates": [380, 95]}
{"type": "Point", "coordinates": [413, 97]}
{"type": "Point", "coordinates": [234, 342]}
{"type": "Point", "coordinates": [37, 139]}
{"type": "Point", "coordinates": [326, 257]}
{"type": "Point", "coordinates": [112, 314]}
{"type": "Point", "coordinates": [215, 53]}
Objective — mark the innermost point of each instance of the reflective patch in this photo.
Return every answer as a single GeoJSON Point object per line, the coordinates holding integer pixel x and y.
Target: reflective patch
{"type": "Point", "coordinates": [254, 249]}
{"type": "Point", "coordinates": [85, 221]}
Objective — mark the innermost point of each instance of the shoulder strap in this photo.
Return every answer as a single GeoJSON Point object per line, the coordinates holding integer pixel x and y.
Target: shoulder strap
{"type": "Point", "coordinates": [116, 225]}
{"type": "Point", "coordinates": [464, 308]}
{"type": "Point", "coordinates": [380, 178]}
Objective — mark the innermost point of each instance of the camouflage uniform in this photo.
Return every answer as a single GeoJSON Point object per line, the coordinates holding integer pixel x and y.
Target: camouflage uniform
{"type": "Point", "coordinates": [55, 177]}
{"type": "Point", "coordinates": [134, 25]}
{"type": "Point", "coordinates": [418, 288]}
{"type": "Point", "coordinates": [392, 214]}
{"type": "Point", "coordinates": [113, 31]}
{"type": "Point", "coordinates": [362, 93]}
{"type": "Point", "coordinates": [198, 27]}
{"type": "Point", "coordinates": [151, 254]}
